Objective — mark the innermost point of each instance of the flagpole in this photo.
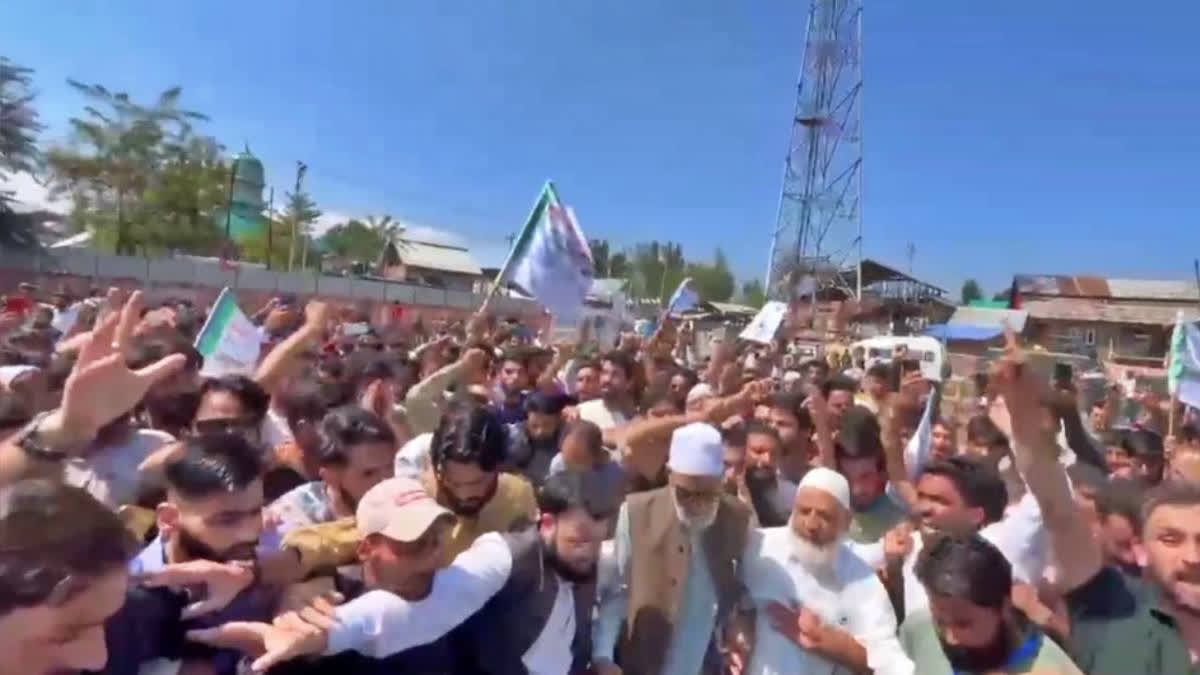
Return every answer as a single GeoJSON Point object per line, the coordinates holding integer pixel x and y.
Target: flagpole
{"type": "Point", "coordinates": [548, 190]}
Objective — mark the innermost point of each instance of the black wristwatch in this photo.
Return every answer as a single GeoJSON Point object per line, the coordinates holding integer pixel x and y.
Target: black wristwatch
{"type": "Point", "coordinates": [33, 445]}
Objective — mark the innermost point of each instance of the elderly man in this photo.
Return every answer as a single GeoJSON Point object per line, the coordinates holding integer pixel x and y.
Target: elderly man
{"type": "Point", "coordinates": [676, 551]}
{"type": "Point", "coordinates": [820, 608]}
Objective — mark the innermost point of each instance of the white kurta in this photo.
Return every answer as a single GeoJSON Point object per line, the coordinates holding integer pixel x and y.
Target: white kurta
{"type": "Point", "coordinates": [854, 601]}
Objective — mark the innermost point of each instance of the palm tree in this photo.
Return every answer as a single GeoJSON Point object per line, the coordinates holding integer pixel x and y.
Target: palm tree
{"type": "Point", "coordinates": [19, 127]}
{"type": "Point", "coordinates": [386, 228]}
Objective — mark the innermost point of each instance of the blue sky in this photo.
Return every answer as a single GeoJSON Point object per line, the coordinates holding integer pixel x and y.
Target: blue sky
{"type": "Point", "coordinates": [999, 137]}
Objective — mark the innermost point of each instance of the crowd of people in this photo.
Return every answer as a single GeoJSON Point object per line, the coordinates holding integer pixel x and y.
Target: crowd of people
{"type": "Point", "coordinates": [468, 499]}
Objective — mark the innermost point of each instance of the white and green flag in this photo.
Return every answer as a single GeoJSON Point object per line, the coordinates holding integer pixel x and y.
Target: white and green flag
{"type": "Point", "coordinates": [229, 341]}
{"type": "Point", "coordinates": [1183, 367]}
{"type": "Point", "coordinates": [550, 259]}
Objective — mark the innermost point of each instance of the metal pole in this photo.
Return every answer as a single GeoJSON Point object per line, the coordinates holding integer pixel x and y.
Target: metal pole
{"type": "Point", "coordinates": [300, 168]}
{"type": "Point", "coordinates": [270, 220]}
{"type": "Point", "coordinates": [858, 110]}
{"type": "Point", "coordinates": [229, 208]}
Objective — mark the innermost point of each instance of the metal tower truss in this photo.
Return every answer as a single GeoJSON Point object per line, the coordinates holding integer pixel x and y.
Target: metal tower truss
{"type": "Point", "coordinates": [818, 228]}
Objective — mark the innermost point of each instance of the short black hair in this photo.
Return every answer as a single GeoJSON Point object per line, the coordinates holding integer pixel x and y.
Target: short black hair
{"type": "Point", "coordinates": [304, 400]}
{"type": "Point", "coordinates": [965, 566]}
{"type": "Point", "coordinates": [882, 371]}
{"type": "Point", "coordinates": [977, 482]}
{"type": "Point", "coordinates": [546, 404]}
{"type": "Point", "coordinates": [793, 404]}
{"type": "Point", "coordinates": [981, 430]}
{"type": "Point", "coordinates": [214, 464]}
{"type": "Point", "coordinates": [1144, 444]}
{"type": "Point", "coordinates": [1087, 475]}
{"type": "Point", "coordinates": [567, 490]}
{"type": "Point", "coordinates": [254, 399]}
{"type": "Point", "coordinates": [860, 435]}
{"type": "Point", "coordinates": [590, 434]}
{"type": "Point", "coordinates": [54, 539]}
{"type": "Point", "coordinates": [516, 355]}
{"type": "Point", "coordinates": [839, 383]}
{"type": "Point", "coordinates": [761, 428]}
{"type": "Point", "coordinates": [469, 432]}
{"type": "Point", "coordinates": [347, 426]}
{"type": "Point", "coordinates": [623, 361]}
{"type": "Point", "coordinates": [151, 349]}
{"type": "Point", "coordinates": [1122, 497]}
{"type": "Point", "coordinates": [656, 394]}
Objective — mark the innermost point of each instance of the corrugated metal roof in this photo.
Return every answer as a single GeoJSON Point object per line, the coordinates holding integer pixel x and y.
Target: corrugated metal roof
{"type": "Point", "coordinates": [437, 257]}
{"type": "Point", "coordinates": [733, 308]}
{"type": "Point", "coordinates": [986, 316]}
{"type": "Point", "coordinates": [1148, 289]}
{"type": "Point", "coordinates": [1098, 311]}
{"type": "Point", "coordinates": [1051, 285]}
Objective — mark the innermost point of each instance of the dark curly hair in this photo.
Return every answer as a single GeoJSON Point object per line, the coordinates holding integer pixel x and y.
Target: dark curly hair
{"type": "Point", "coordinates": [469, 432]}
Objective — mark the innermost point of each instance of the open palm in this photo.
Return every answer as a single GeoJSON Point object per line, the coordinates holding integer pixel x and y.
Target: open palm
{"type": "Point", "coordinates": [101, 387]}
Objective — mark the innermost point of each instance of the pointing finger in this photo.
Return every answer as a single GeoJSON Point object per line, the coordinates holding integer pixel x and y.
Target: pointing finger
{"type": "Point", "coordinates": [130, 316]}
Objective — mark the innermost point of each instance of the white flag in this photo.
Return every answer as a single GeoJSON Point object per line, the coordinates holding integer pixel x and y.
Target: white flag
{"type": "Point", "coordinates": [551, 259]}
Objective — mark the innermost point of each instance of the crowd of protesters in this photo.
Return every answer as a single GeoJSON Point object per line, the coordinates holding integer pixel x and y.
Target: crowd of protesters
{"type": "Point", "coordinates": [470, 499]}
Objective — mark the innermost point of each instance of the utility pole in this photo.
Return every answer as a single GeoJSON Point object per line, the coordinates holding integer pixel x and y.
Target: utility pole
{"type": "Point", "coordinates": [270, 222]}
{"type": "Point", "coordinates": [301, 168]}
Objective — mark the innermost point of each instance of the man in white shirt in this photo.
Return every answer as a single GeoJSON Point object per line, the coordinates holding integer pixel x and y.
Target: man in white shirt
{"type": "Point", "coordinates": [524, 600]}
{"type": "Point", "coordinates": [819, 607]}
{"type": "Point", "coordinates": [616, 404]}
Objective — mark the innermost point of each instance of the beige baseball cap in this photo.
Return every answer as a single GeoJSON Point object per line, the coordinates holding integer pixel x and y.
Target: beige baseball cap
{"type": "Point", "coordinates": [399, 509]}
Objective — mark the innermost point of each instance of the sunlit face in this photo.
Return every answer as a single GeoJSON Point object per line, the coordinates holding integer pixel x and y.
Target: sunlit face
{"type": "Point", "coordinates": [1172, 541]}
{"type": "Point", "coordinates": [679, 387]}
{"type": "Point", "coordinates": [575, 538]}
{"type": "Point", "coordinates": [1120, 463]}
{"type": "Point", "coordinates": [512, 376]}
{"type": "Point", "coordinates": [785, 424]}
{"type": "Point", "coordinates": [875, 387]}
{"type": "Point", "coordinates": [940, 505]}
{"type": "Point", "coordinates": [1098, 417]}
{"type": "Point", "coordinates": [1185, 466]}
{"type": "Point", "coordinates": [587, 384]}
{"type": "Point", "coordinates": [734, 459]}
{"type": "Point", "coordinates": [613, 380]}
{"type": "Point", "coordinates": [367, 464]}
{"type": "Point", "coordinates": [867, 480]}
{"type": "Point", "coordinates": [697, 498]}
{"type": "Point", "coordinates": [219, 527]}
{"type": "Point", "coordinates": [840, 401]}
{"type": "Point", "coordinates": [466, 486]}
{"type": "Point", "coordinates": [576, 454]}
{"type": "Point", "coordinates": [762, 451]}
{"type": "Point", "coordinates": [817, 517]}
{"type": "Point", "coordinates": [941, 444]}
{"type": "Point", "coordinates": [541, 426]}
{"type": "Point", "coordinates": [66, 637]}
{"type": "Point", "coordinates": [405, 568]}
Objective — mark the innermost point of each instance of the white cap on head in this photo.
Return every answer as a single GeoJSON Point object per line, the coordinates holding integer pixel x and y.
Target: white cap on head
{"type": "Point", "coordinates": [699, 392]}
{"type": "Point", "coordinates": [399, 509]}
{"type": "Point", "coordinates": [697, 450]}
{"type": "Point", "coordinates": [830, 481]}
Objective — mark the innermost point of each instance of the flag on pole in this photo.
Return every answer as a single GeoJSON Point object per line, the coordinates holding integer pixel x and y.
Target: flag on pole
{"type": "Point", "coordinates": [550, 258]}
{"type": "Point", "coordinates": [229, 342]}
{"type": "Point", "coordinates": [684, 298]}
{"type": "Point", "coordinates": [1183, 367]}
{"type": "Point", "coordinates": [916, 453]}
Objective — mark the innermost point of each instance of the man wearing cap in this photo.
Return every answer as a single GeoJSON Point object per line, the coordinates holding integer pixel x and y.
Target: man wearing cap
{"type": "Point", "coordinates": [402, 530]}
{"type": "Point", "coordinates": [521, 603]}
{"type": "Point", "coordinates": [677, 551]}
{"type": "Point", "coordinates": [819, 608]}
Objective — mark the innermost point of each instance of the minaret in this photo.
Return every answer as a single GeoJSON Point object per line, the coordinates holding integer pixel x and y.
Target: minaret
{"type": "Point", "coordinates": [248, 204]}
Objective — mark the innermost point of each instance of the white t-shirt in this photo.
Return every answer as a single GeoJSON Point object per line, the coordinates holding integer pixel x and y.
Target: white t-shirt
{"type": "Point", "coordinates": [110, 473]}
{"type": "Point", "coordinates": [597, 412]}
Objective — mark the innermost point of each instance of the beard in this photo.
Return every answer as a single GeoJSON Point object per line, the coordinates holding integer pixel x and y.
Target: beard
{"type": "Point", "coordinates": [173, 412]}
{"type": "Point", "coordinates": [818, 560]}
{"type": "Point", "coordinates": [468, 508]}
{"type": "Point", "coordinates": [695, 522]}
{"type": "Point", "coordinates": [565, 570]}
{"type": "Point", "coordinates": [1183, 589]}
{"type": "Point", "coordinates": [195, 549]}
{"type": "Point", "coordinates": [989, 657]}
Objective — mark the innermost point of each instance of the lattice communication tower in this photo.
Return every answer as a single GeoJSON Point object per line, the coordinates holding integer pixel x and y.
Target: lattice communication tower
{"type": "Point", "coordinates": [818, 230]}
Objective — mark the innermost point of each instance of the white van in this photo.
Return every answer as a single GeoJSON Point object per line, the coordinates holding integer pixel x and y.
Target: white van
{"type": "Point", "coordinates": [929, 351]}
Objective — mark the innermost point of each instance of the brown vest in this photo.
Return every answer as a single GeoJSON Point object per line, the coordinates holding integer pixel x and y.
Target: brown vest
{"type": "Point", "coordinates": [658, 566]}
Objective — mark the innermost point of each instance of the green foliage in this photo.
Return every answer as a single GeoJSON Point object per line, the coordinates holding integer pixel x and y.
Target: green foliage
{"type": "Point", "coordinates": [254, 247]}
{"type": "Point", "coordinates": [753, 294]}
{"type": "Point", "coordinates": [19, 127]}
{"type": "Point", "coordinates": [354, 241]}
{"type": "Point", "coordinates": [138, 175]}
{"type": "Point", "coordinates": [608, 264]}
{"type": "Point", "coordinates": [971, 291]}
{"type": "Point", "coordinates": [300, 213]}
{"type": "Point", "coordinates": [713, 281]}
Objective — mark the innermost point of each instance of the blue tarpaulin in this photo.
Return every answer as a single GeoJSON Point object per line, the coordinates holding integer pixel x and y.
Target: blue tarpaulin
{"type": "Point", "coordinates": [964, 331]}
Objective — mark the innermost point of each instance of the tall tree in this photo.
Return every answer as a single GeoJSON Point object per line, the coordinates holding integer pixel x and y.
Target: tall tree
{"type": "Point", "coordinates": [354, 241]}
{"type": "Point", "coordinates": [385, 228]}
{"type": "Point", "coordinates": [600, 258]}
{"type": "Point", "coordinates": [19, 127]}
{"type": "Point", "coordinates": [753, 293]}
{"type": "Point", "coordinates": [971, 291]}
{"type": "Point", "coordinates": [254, 248]}
{"type": "Point", "coordinates": [713, 281]}
{"type": "Point", "coordinates": [114, 166]}
{"type": "Point", "coordinates": [300, 213]}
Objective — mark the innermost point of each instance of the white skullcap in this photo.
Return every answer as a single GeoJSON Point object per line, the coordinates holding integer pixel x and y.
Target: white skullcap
{"type": "Point", "coordinates": [696, 450]}
{"type": "Point", "coordinates": [698, 392]}
{"type": "Point", "coordinates": [830, 481]}
{"type": "Point", "coordinates": [791, 376]}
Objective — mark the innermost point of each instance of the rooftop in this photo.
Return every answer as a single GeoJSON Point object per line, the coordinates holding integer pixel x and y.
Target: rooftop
{"type": "Point", "coordinates": [1051, 285]}
{"type": "Point", "coordinates": [991, 318]}
{"type": "Point", "coordinates": [1098, 311]}
{"type": "Point", "coordinates": [436, 256]}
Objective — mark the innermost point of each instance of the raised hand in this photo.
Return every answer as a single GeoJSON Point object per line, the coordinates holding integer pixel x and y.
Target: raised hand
{"type": "Point", "coordinates": [222, 581]}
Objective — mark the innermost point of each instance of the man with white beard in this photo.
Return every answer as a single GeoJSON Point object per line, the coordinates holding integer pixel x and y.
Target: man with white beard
{"type": "Point", "coordinates": [819, 607]}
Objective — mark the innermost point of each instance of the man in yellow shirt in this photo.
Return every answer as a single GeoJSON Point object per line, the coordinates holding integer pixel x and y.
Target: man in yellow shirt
{"type": "Point", "coordinates": [465, 456]}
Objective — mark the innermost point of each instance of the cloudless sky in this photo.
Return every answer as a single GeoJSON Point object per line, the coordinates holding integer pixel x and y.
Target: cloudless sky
{"type": "Point", "coordinates": [999, 137]}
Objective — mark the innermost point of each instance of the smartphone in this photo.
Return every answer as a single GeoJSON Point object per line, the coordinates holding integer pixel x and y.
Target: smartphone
{"type": "Point", "coordinates": [1063, 373]}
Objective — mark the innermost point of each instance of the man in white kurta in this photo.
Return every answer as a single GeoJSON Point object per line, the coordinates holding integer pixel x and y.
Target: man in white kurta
{"type": "Point", "coordinates": [784, 566]}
